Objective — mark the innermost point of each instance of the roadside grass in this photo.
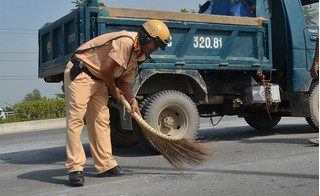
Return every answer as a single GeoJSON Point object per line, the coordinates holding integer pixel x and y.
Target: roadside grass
{"type": "Point", "coordinates": [19, 119]}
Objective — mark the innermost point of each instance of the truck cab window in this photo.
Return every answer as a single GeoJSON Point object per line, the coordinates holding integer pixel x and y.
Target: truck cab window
{"type": "Point", "coordinates": [311, 13]}
{"type": "Point", "coordinates": [242, 8]}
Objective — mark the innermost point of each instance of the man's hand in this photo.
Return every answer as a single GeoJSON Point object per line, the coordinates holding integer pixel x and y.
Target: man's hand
{"type": "Point", "coordinates": [126, 87]}
{"type": "Point", "coordinates": [116, 93]}
{"type": "Point", "coordinates": [134, 108]}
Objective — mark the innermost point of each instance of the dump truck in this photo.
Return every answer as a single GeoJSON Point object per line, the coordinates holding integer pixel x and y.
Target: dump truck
{"type": "Point", "coordinates": [257, 68]}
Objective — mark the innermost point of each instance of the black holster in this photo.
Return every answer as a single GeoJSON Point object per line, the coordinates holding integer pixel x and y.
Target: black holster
{"type": "Point", "coordinates": [79, 67]}
{"type": "Point", "coordinates": [75, 70]}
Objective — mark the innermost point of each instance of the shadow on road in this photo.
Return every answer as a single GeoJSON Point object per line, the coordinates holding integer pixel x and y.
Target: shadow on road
{"type": "Point", "coordinates": [54, 176]}
{"type": "Point", "coordinates": [241, 133]}
{"type": "Point", "coordinates": [246, 132]}
{"type": "Point", "coordinates": [58, 154]}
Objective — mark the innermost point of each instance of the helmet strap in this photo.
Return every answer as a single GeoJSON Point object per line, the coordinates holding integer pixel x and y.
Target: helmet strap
{"type": "Point", "coordinates": [148, 55]}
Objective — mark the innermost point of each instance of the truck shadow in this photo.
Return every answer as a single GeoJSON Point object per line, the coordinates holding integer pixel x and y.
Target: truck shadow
{"type": "Point", "coordinates": [246, 134]}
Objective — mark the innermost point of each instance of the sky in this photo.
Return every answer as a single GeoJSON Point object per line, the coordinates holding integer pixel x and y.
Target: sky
{"type": "Point", "coordinates": [19, 24]}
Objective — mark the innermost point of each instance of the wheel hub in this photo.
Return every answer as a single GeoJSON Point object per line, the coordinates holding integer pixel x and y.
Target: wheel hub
{"type": "Point", "coordinates": [168, 122]}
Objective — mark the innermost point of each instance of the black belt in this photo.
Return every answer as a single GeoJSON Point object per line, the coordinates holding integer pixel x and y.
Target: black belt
{"type": "Point", "coordinates": [78, 67]}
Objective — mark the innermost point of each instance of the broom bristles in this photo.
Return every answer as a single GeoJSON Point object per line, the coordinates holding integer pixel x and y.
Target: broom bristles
{"type": "Point", "coordinates": [177, 151]}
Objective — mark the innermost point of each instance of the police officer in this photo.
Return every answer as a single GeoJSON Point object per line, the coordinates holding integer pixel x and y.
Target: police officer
{"type": "Point", "coordinates": [92, 69]}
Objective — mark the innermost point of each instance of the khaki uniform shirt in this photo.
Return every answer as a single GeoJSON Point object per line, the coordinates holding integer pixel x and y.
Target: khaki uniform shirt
{"type": "Point", "coordinates": [125, 51]}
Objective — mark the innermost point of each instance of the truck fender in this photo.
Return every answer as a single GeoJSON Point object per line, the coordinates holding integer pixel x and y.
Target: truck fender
{"type": "Point", "coordinates": [194, 79]}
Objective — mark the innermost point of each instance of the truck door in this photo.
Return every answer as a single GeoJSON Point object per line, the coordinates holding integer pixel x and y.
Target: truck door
{"type": "Point", "coordinates": [311, 34]}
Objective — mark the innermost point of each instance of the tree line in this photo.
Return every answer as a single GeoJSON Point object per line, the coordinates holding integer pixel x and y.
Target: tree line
{"type": "Point", "coordinates": [34, 106]}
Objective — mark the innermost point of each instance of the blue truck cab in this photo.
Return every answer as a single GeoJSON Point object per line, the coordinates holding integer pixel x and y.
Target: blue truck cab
{"type": "Point", "coordinates": [254, 67]}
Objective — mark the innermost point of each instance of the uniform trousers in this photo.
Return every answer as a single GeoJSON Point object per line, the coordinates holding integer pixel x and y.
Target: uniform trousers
{"type": "Point", "coordinates": [87, 97]}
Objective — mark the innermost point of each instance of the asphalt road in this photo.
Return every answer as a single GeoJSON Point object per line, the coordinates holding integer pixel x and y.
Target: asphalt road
{"type": "Point", "coordinates": [245, 162]}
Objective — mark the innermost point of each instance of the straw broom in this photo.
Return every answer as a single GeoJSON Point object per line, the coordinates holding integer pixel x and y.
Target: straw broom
{"type": "Point", "coordinates": [177, 151]}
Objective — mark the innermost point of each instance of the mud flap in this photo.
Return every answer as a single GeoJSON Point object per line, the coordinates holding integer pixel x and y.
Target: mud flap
{"type": "Point", "coordinates": [300, 105]}
{"type": "Point", "coordinates": [125, 118]}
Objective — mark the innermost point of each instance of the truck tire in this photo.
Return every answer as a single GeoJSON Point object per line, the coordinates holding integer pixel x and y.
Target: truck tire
{"type": "Point", "coordinates": [120, 137]}
{"type": "Point", "coordinates": [170, 112]}
{"type": "Point", "coordinates": [263, 123]}
{"type": "Point", "coordinates": [313, 120]}
{"type": "Point", "coordinates": [141, 138]}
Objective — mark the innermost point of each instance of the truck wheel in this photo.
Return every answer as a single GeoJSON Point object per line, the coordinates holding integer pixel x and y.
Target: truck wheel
{"type": "Point", "coordinates": [142, 139]}
{"type": "Point", "coordinates": [262, 123]}
{"type": "Point", "coordinates": [170, 112]}
{"type": "Point", "coordinates": [313, 120]}
{"type": "Point", "coordinates": [120, 137]}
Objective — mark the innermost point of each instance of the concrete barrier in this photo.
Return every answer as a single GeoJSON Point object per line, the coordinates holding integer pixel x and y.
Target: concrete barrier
{"type": "Point", "coordinates": [35, 125]}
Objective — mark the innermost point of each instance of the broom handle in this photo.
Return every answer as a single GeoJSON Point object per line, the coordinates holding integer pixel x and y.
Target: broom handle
{"type": "Point", "coordinates": [143, 123]}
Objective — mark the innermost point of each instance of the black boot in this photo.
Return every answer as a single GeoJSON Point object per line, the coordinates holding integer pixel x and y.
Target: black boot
{"type": "Point", "coordinates": [76, 178]}
{"type": "Point", "coordinates": [116, 171]}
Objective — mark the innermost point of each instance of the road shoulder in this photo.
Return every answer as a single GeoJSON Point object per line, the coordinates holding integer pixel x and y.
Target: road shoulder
{"type": "Point", "coordinates": [35, 125]}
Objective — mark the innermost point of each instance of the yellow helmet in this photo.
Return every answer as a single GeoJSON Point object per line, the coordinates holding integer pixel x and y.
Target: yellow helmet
{"type": "Point", "coordinates": [154, 29]}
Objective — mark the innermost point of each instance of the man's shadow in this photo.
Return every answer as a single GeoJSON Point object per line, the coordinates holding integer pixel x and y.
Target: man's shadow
{"type": "Point", "coordinates": [47, 156]}
{"type": "Point", "coordinates": [57, 155]}
{"type": "Point", "coordinates": [54, 176]}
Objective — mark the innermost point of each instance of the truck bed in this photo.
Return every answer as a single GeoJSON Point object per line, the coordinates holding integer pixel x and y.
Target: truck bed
{"type": "Point", "coordinates": [113, 12]}
{"type": "Point", "coordinates": [198, 41]}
